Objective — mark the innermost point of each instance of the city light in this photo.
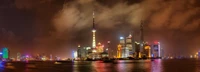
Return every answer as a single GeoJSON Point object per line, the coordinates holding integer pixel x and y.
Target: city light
{"type": "Point", "coordinates": [93, 30]}
{"type": "Point", "coordinates": [94, 51]}
{"type": "Point", "coordinates": [121, 37]}
{"type": "Point", "coordinates": [137, 43]}
{"type": "Point", "coordinates": [75, 54]}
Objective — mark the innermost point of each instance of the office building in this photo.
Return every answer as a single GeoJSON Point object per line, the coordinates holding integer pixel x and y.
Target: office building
{"type": "Point", "coordinates": [156, 50]}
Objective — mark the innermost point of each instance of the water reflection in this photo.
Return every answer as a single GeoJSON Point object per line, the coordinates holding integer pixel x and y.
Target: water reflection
{"type": "Point", "coordinates": [119, 66]}
{"type": "Point", "coordinates": [156, 66]}
{"type": "Point", "coordinates": [187, 65]}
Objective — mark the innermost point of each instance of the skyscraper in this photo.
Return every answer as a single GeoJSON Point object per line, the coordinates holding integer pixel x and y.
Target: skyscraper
{"type": "Point", "coordinates": [119, 47]}
{"type": "Point", "coordinates": [129, 45]}
{"type": "Point", "coordinates": [156, 50]}
{"type": "Point", "coordinates": [93, 33]}
{"type": "Point", "coordinates": [5, 52]}
{"type": "Point", "coordinates": [124, 49]}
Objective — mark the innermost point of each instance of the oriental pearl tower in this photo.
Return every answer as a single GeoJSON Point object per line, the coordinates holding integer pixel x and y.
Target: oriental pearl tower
{"type": "Point", "coordinates": [93, 33]}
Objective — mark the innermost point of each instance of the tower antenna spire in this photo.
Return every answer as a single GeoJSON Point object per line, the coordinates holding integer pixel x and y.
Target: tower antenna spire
{"type": "Point", "coordinates": [93, 20]}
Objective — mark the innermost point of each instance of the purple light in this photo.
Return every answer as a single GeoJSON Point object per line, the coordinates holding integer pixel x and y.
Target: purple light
{"type": "Point", "coordinates": [27, 56]}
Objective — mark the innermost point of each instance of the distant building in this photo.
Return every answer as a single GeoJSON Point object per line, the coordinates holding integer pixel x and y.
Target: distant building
{"type": "Point", "coordinates": [124, 50]}
{"type": "Point", "coordinates": [129, 46]}
{"type": "Point", "coordinates": [79, 51]}
{"type": "Point", "coordinates": [126, 47]}
{"type": "Point", "coordinates": [108, 50]}
{"type": "Point", "coordinates": [119, 51]}
{"type": "Point", "coordinates": [147, 51]}
{"type": "Point", "coordinates": [156, 50]}
{"type": "Point", "coordinates": [99, 48]}
{"type": "Point", "coordinates": [5, 52]}
{"type": "Point", "coordinates": [74, 55]}
{"type": "Point", "coordinates": [84, 52]}
{"type": "Point", "coordinates": [18, 56]}
{"type": "Point", "coordinates": [137, 53]}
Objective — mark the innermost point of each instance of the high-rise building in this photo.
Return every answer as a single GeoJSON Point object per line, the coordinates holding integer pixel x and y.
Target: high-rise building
{"type": "Point", "coordinates": [119, 51]}
{"type": "Point", "coordinates": [79, 51]}
{"type": "Point", "coordinates": [83, 52]}
{"type": "Point", "coordinates": [133, 44]}
{"type": "Point", "coordinates": [75, 55]}
{"type": "Point", "coordinates": [109, 50]}
{"type": "Point", "coordinates": [147, 51]}
{"type": "Point", "coordinates": [129, 45]}
{"type": "Point", "coordinates": [137, 53]}
{"type": "Point", "coordinates": [156, 50]}
{"type": "Point", "coordinates": [5, 52]}
{"type": "Point", "coordinates": [124, 49]}
{"type": "Point", "coordinates": [159, 50]}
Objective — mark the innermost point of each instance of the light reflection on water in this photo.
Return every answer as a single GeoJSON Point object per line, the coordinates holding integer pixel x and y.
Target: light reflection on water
{"type": "Point", "coordinates": [99, 66]}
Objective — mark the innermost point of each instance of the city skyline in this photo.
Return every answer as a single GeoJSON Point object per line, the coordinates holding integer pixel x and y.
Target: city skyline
{"type": "Point", "coordinates": [57, 27]}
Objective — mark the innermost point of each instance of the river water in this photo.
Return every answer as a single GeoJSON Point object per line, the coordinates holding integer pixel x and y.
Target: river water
{"type": "Point", "coordinates": [170, 65]}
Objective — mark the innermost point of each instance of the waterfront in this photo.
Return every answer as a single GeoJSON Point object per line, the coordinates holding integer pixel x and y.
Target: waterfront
{"type": "Point", "coordinates": [174, 65]}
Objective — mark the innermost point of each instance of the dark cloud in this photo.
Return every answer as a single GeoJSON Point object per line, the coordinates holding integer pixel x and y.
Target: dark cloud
{"type": "Point", "coordinates": [46, 25]}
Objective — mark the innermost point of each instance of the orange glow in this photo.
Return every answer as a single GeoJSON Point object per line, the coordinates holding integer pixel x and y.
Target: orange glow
{"type": "Point", "coordinates": [119, 51]}
{"type": "Point", "coordinates": [149, 50]}
{"type": "Point", "coordinates": [147, 47]}
{"type": "Point", "coordinates": [119, 45]}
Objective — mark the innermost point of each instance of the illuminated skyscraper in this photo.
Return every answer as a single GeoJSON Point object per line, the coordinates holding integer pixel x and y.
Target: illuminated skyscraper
{"type": "Point", "coordinates": [124, 50]}
{"type": "Point", "coordinates": [159, 50]}
{"type": "Point", "coordinates": [147, 50]}
{"type": "Point", "coordinates": [156, 50]}
{"type": "Point", "coordinates": [5, 53]}
{"type": "Point", "coordinates": [129, 45]}
{"type": "Point", "coordinates": [119, 47]}
{"type": "Point", "coordinates": [93, 33]}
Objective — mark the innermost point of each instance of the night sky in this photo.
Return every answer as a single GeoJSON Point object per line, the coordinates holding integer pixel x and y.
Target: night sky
{"type": "Point", "coordinates": [58, 26]}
